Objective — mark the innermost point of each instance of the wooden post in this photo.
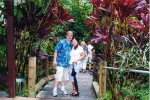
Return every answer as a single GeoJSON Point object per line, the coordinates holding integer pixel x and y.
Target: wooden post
{"type": "Point", "coordinates": [102, 81]}
{"type": "Point", "coordinates": [31, 76]}
{"type": "Point", "coordinates": [10, 48]}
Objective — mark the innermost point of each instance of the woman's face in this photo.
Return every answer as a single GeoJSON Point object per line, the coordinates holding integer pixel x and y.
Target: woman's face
{"type": "Point", "coordinates": [74, 42]}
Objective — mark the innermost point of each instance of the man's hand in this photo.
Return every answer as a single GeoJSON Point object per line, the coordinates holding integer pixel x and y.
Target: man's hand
{"type": "Point", "coordinates": [54, 64]}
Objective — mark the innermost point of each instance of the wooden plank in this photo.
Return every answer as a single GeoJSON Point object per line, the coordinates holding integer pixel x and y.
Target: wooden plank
{"type": "Point", "coordinates": [41, 83]}
{"type": "Point", "coordinates": [31, 76]}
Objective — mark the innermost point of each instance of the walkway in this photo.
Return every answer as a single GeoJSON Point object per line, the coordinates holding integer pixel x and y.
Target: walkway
{"type": "Point", "coordinates": [85, 88]}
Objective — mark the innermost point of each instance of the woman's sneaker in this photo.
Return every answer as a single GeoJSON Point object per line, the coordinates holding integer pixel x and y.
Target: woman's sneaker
{"type": "Point", "coordinates": [63, 92]}
{"type": "Point", "coordinates": [54, 93]}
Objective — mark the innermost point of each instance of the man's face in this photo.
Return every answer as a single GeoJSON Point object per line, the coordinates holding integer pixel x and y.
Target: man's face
{"type": "Point", "coordinates": [69, 36]}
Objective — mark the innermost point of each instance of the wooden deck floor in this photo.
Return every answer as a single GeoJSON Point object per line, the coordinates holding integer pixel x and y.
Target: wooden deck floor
{"type": "Point", "coordinates": [85, 88]}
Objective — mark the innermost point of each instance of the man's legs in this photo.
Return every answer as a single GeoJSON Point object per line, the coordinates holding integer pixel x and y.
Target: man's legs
{"type": "Point", "coordinates": [55, 88]}
{"type": "Point", "coordinates": [58, 78]}
{"type": "Point", "coordinates": [64, 78]}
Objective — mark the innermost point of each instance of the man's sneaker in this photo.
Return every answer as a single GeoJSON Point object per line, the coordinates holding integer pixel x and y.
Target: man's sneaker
{"type": "Point", "coordinates": [54, 93]}
{"type": "Point", "coordinates": [63, 92]}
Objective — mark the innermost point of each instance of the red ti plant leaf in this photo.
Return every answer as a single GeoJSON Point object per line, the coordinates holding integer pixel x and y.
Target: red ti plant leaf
{"type": "Point", "coordinates": [102, 4]}
{"type": "Point", "coordinates": [95, 3]}
{"type": "Point", "coordinates": [141, 8]}
{"type": "Point", "coordinates": [45, 30]}
{"type": "Point", "coordinates": [94, 19]}
{"type": "Point", "coordinates": [40, 55]}
{"type": "Point", "coordinates": [145, 19]}
{"type": "Point", "coordinates": [102, 35]}
{"type": "Point", "coordinates": [125, 7]}
{"type": "Point", "coordinates": [144, 26]}
{"type": "Point", "coordinates": [89, 23]}
{"type": "Point", "coordinates": [136, 24]}
{"type": "Point", "coordinates": [63, 15]}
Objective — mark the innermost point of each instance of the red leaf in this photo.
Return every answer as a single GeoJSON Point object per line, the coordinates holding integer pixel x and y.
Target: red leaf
{"type": "Point", "coordinates": [137, 24]}
{"type": "Point", "coordinates": [63, 15]}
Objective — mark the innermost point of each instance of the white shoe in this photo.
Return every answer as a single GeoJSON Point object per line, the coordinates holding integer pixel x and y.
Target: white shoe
{"type": "Point", "coordinates": [54, 93]}
{"type": "Point", "coordinates": [63, 92]}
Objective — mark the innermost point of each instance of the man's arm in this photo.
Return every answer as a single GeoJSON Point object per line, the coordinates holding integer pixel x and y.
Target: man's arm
{"type": "Point", "coordinates": [54, 59]}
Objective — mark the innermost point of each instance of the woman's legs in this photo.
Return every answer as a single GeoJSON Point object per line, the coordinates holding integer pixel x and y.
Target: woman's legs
{"type": "Point", "coordinates": [74, 89]}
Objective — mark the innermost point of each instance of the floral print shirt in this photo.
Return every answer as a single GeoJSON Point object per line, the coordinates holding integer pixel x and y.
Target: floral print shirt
{"type": "Point", "coordinates": [63, 49]}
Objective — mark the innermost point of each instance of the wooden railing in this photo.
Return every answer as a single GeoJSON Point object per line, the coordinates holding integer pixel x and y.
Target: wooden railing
{"type": "Point", "coordinates": [101, 92]}
{"type": "Point", "coordinates": [33, 87]}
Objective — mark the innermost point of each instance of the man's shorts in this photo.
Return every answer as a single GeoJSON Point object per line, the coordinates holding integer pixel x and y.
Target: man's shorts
{"type": "Point", "coordinates": [61, 74]}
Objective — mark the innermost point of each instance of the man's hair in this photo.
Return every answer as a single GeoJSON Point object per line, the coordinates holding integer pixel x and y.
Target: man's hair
{"type": "Point", "coordinates": [69, 32]}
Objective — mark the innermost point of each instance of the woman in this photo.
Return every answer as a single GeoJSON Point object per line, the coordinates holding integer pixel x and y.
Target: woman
{"type": "Point", "coordinates": [85, 60]}
{"type": "Point", "coordinates": [76, 54]}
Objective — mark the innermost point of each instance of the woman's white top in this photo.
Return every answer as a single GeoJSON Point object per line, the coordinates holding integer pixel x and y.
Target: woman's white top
{"type": "Point", "coordinates": [75, 54]}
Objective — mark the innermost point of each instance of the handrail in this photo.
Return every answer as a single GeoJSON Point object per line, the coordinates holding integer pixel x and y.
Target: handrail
{"type": "Point", "coordinates": [34, 86]}
{"type": "Point", "coordinates": [131, 70]}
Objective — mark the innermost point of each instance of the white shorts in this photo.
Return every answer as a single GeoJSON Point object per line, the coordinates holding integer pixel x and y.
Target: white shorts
{"type": "Point", "coordinates": [61, 74]}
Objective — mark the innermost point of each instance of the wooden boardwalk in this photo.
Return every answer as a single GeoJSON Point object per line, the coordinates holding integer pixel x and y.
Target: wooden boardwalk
{"type": "Point", "coordinates": [85, 88]}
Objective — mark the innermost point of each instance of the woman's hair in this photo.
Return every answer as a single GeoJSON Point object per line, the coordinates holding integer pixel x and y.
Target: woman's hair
{"type": "Point", "coordinates": [76, 38]}
{"type": "Point", "coordinates": [83, 43]}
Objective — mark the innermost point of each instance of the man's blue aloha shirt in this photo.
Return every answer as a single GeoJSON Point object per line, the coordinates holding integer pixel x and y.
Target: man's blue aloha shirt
{"type": "Point", "coordinates": [63, 49]}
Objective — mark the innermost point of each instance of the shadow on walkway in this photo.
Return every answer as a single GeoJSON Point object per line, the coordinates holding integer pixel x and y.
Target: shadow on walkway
{"type": "Point", "coordinates": [85, 88]}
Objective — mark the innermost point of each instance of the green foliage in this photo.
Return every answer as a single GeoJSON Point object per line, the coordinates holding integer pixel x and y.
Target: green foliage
{"type": "Point", "coordinates": [133, 58]}
{"type": "Point", "coordinates": [79, 10]}
{"type": "Point", "coordinates": [108, 95]}
{"type": "Point", "coordinates": [52, 71]}
{"type": "Point", "coordinates": [132, 92]}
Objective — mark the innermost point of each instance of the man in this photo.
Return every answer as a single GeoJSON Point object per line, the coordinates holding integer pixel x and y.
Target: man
{"type": "Point", "coordinates": [61, 61]}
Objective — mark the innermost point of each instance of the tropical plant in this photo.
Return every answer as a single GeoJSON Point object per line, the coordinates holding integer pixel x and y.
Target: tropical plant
{"type": "Point", "coordinates": [33, 22]}
{"type": "Point", "coordinates": [79, 9]}
{"type": "Point", "coordinates": [120, 26]}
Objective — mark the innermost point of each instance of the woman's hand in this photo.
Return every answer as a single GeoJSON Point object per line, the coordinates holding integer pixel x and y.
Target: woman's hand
{"type": "Point", "coordinates": [75, 62]}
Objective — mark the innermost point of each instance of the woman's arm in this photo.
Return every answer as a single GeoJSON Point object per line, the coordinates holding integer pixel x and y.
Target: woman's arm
{"type": "Point", "coordinates": [82, 55]}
